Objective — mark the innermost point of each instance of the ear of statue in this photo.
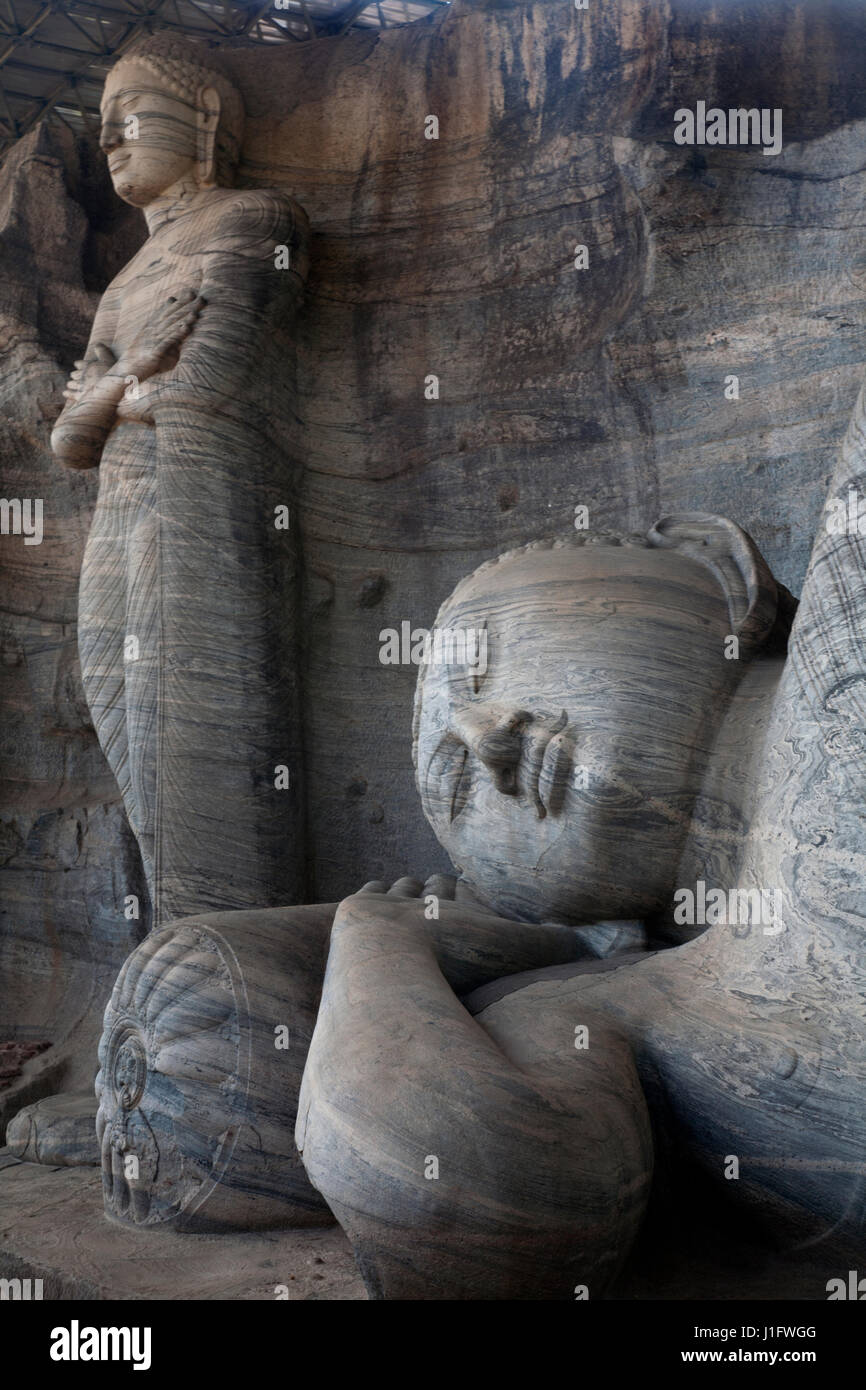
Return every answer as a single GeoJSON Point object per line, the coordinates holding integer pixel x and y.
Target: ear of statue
{"type": "Point", "coordinates": [207, 123]}
{"type": "Point", "coordinates": [738, 566]}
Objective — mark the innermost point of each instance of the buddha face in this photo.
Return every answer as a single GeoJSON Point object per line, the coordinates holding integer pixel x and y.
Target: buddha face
{"type": "Point", "coordinates": [149, 135]}
{"type": "Point", "coordinates": [561, 779]}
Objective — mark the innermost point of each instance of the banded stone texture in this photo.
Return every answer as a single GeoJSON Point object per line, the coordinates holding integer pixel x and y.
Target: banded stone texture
{"type": "Point", "coordinates": [188, 600]}
{"type": "Point", "coordinates": [203, 1047]}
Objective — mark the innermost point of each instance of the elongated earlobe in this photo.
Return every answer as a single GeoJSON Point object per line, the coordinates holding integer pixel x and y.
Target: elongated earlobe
{"type": "Point", "coordinates": [207, 124]}
{"type": "Point", "coordinates": [760, 610]}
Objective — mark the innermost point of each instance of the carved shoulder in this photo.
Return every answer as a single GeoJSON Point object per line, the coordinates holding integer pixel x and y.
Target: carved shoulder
{"type": "Point", "coordinates": [257, 221]}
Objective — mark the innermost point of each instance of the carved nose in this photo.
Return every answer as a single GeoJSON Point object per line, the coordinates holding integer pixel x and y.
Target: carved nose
{"type": "Point", "coordinates": [110, 136]}
{"type": "Point", "coordinates": [494, 734]}
{"type": "Point", "coordinates": [111, 128]}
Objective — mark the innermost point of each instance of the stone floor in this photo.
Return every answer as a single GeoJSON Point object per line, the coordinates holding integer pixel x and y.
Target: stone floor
{"type": "Point", "coordinates": [52, 1228]}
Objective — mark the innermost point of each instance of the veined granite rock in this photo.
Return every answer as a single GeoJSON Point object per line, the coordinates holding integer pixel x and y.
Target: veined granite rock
{"type": "Point", "coordinates": [557, 387]}
{"type": "Point", "coordinates": [73, 895]}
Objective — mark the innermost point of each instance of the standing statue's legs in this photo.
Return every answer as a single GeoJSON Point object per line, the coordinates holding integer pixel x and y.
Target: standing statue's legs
{"type": "Point", "coordinates": [142, 672]}
{"type": "Point", "coordinates": [229, 758]}
{"type": "Point", "coordinates": [118, 626]}
{"type": "Point", "coordinates": [187, 634]}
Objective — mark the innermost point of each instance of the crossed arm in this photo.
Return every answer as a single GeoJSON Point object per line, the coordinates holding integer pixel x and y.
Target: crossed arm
{"type": "Point", "coordinates": [462, 1165]}
{"type": "Point", "coordinates": [101, 380]}
{"type": "Point", "coordinates": [471, 945]}
{"type": "Point", "coordinates": [204, 345]}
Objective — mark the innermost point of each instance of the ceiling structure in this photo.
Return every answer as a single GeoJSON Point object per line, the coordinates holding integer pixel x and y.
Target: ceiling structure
{"type": "Point", "coordinates": [55, 54]}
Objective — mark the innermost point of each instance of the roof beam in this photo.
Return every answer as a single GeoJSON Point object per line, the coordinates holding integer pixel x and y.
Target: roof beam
{"type": "Point", "coordinates": [347, 16]}
{"type": "Point", "coordinates": [308, 20]}
{"type": "Point", "coordinates": [107, 28]}
{"type": "Point", "coordinates": [256, 15]}
{"type": "Point", "coordinates": [22, 35]}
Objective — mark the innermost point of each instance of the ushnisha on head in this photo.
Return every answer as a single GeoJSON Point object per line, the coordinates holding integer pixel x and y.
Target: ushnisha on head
{"type": "Point", "coordinates": [560, 773]}
{"type": "Point", "coordinates": [172, 121]}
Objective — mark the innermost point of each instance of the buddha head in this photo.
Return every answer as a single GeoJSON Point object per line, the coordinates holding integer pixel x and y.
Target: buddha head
{"type": "Point", "coordinates": [560, 773]}
{"type": "Point", "coordinates": [172, 121]}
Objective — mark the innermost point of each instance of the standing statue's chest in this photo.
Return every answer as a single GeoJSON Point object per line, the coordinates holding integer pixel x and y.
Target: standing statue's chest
{"type": "Point", "coordinates": [170, 261]}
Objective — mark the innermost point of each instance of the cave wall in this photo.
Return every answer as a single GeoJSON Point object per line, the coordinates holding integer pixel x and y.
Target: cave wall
{"type": "Point", "coordinates": [557, 387]}
{"type": "Point", "coordinates": [69, 862]}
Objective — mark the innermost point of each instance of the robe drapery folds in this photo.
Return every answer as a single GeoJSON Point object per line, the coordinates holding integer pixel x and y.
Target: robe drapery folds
{"type": "Point", "coordinates": [190, 585]}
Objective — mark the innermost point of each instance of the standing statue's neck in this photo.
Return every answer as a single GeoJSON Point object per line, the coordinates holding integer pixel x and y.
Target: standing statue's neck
{"type": "Point", "coordinates": [174, 203]}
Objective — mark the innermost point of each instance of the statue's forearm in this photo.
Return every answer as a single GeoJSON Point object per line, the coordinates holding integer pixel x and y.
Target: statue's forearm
{"type": "Point", "coordinates": [235, 359]}
{"type": "Point", "coordinates": [222, 367]}
{"type": "Point", "coordinates": [550, 1144]}
{"type": "Point", "coordinates": [474, 951]}
{"type": "Point", "coordinates": [79, 436]}
{"type": "Point", "coordinates": [471, 947]}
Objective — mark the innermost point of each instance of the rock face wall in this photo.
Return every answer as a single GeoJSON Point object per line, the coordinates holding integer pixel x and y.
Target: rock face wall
{"type": "Point", "coordinates": [557, 387]}
{"type": "Point", "coordinates": [69, 862]}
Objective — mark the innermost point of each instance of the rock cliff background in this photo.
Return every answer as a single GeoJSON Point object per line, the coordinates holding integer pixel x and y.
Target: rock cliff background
{"type": "Point", "coordinates": [68, 858]}
{"type": "Point", "coordinates": [558, 387]}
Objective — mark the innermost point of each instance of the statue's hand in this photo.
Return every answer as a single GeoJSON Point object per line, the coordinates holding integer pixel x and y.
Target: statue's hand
{"type": "Point", "coordinates": [441, 907]}
{"type": "Point", "coordinates": [136, 401]}
{"type": "Point", "coordinates": [473, 943]}
{"type": "Point", "coordinates": [75, 385]}
{"type": "Point", "coordinates": [154, 349]}
{"type": "Point", "coordinates": [541, 1152]}
{"type": "Point", "coordinates": [439, 894]}
{"type": "Point", "coordinates": [87, 371]}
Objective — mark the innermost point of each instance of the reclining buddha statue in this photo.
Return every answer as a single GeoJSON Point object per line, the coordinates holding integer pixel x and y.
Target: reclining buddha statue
{"type": "Point", "coordinates": [649, 959]}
